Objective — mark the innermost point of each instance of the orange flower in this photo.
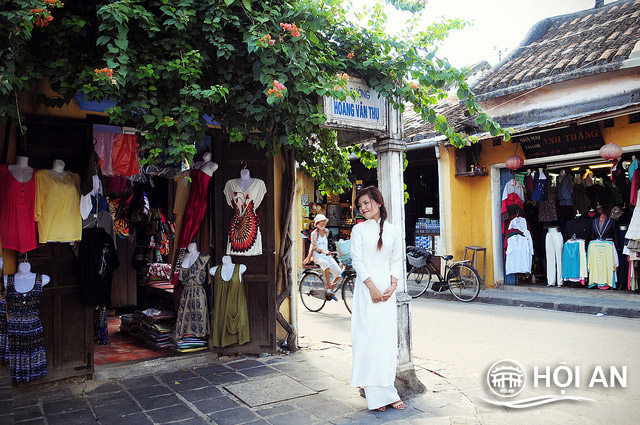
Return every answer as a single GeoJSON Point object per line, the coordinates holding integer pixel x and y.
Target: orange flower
{"type": "Point", "coordinates": [36, 10]}
{"type": "Point", "coordinates": [350, 55]}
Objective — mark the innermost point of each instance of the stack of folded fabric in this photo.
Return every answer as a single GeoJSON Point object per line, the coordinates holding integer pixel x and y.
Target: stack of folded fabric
{"type": "Point", "coordinates": [158, 275]}
{"type": "Point", "coordinates": [189, 343]}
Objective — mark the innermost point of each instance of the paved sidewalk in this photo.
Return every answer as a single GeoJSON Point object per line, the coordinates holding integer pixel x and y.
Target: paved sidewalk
{"type": "Point", "coordinates": [180, 393]}
{"type": "Point", "coordinates": [577, 300]}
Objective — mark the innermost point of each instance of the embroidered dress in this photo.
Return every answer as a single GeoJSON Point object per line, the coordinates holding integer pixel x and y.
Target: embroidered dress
{"type": "Point", "coordinates": [192, 313]}
{"type": "Point", "coordinates": [230, 314]}
{"type": "Point", "coordinates": [17, 206]}
{"type": "Point", "coordinates": [245, 237]}
{"type": "Point", "coordinates": [58, 207]}
{"type": "Point", "coordinates": [25, 335]}
{"type": "Point", "coordinates": [374, 326]}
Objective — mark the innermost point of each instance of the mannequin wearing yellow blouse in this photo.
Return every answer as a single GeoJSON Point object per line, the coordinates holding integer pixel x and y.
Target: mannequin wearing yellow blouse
{"type": "Point", "coordinates": [58, 204]}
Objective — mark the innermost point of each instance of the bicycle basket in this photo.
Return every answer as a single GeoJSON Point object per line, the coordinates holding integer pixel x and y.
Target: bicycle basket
{"type": "Point", "coordinates": [344, 252]}
{"type": "Point", "coordinates": [416, 260]}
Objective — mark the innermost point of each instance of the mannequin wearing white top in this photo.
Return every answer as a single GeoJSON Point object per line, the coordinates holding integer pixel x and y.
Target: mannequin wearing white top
{"type": "Point", "coordinates": [227, 269]}
{"type": "Point", "coordinates": [21, 170]}
{"type": "Point", "coordinates": [206, 165]}
{"type": "Point", "coordinates": [25, 279]}
{"type": "Point", "coordinates": [245, 179]}
{"type": "Point", "coordinates": [191, 256]}
{"type": "Point", "coordinates": [58, 169]}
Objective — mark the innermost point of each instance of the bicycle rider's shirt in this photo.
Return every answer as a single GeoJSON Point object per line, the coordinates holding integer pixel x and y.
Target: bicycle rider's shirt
{"type": "Point", "coordinates": [319, 243]}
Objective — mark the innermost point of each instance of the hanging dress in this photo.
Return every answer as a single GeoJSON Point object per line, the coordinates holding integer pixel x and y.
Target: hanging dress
{"type": "Point", "coordinates": [230, 314]}
{"type": "Point", "coordinates": [25, 335]}
{"type": "Point", "coordinates": [3, 322]}
{"type": "Point", "coordinates": [193, 316]}
{"type": "Point", "coordinates": [17, 206]}
{"type": "Point", "coordinates": [245, 237]}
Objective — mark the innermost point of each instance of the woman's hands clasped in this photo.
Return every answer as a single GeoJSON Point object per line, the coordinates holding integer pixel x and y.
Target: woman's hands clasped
{"type": "Point", "coordinates": [376, 295]}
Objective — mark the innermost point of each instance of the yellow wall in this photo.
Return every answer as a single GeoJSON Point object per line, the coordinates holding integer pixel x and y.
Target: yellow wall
{"type": "Point", "coordinates": [467, 200]}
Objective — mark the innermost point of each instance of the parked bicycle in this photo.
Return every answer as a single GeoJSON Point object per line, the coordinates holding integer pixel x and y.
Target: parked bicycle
{"type": "Point", "coordinates": [313, 293]}
{"type": "Point", "coordinates": [460, 278]}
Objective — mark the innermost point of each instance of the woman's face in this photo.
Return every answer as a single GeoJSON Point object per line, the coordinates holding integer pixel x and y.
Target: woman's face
{"type": "Point", "coordinates": [368, 207]}
{"type": "Point", "coordinates": [322, 224]}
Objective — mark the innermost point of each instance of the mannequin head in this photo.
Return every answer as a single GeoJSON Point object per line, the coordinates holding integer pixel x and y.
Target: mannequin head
{"type": "Point", "coordinates": [58, 165]}
{"type": "Point", "coordinates": [24, 268]}
{"type": "Point", "coordinates": [22, 161]}
{"type": "Point", "coordinates": [226, 260]}
{"type": "Point", "coordinates": [192, 248]}
{"type": "Point", "coordinates": [206, 157]}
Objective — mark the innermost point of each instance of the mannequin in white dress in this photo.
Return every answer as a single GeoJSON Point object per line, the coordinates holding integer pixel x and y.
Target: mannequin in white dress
{"type": "Point", "coordinates": [25, 279]}
{"type": "Point", "coordinates": [21, 170]}
{"type": "Point", "coordinates": [58, 169]}
{"type": "Point", "coordinates": [206, 165]}
{"type": "Point", "coordinates": [227, 269]}
{"type": "Point", "coordinates": [245, 179]}
{"type": "Point", "coordinates": [191, 256]}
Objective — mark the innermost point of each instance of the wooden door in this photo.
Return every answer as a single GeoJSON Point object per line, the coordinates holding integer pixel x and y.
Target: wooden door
{"type": "Point", "coordinates": [259, 279]}
{"type": "Point", "coordinates": [67, 322]}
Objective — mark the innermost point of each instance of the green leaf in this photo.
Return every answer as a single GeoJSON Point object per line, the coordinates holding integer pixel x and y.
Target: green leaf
{"type": "Point", "coordinates": [102, 40]}
{"type": "Point", "coordinates": [247, 4]}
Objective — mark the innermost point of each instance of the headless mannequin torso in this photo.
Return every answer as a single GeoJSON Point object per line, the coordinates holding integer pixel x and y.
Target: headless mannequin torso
{"type": "Point", "coordinates": [25, 279]}
{"type": "Point", "coordinates": [245, 179]}
{"type": "Point", "coordinates": [191, 256]}
{"type": "Point", "coordinates": [227, 269]}
{"type": "Point", "coordinates": [58, 169]}
{"type": "Point", "coordinates": [21, 170]}
{"type": "Point", "coordinates": [206, 166]}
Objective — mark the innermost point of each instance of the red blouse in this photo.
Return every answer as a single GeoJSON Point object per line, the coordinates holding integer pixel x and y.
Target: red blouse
{"type": "Point", "coordinates": [17, 212]}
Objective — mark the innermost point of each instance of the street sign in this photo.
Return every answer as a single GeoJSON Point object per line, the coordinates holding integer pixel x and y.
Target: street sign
{"type": "Point", "coordinates": [365, 116]}
{"type": "Point", "coordinates": [572, 139]}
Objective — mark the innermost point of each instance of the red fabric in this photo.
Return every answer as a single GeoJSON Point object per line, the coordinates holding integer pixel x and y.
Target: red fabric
{"type": "Point", "coordinates": [125, 156]}
{"type": "Point", "coordinates": [18, 229]}
{"type": "Point", "coordinates": [635, 185]}
{"type": "Point", "coordinates": [194, 211]}
{"type": "Point", "coordinates": [512, 199]}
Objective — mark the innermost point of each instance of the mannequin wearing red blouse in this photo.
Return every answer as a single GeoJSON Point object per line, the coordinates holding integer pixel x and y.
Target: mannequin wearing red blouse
{"type": "Point", "coordinates": [17, 205]}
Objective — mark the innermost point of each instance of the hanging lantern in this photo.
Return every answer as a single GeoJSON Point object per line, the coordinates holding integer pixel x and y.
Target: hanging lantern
{"type": "Point", "coordinates": [611, 151]}
{"type": "Point", "coordinates": [514, 162]}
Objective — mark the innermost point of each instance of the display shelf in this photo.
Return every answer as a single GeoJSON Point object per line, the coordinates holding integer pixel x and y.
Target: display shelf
{"type": "Point", "coordinates": [472, 174]}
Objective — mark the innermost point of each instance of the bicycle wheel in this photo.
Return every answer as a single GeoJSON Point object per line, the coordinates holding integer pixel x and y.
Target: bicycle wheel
{"type": "Point", "coordinates": [347, 291]}
{"type": "Point", "coordinates": [312, 292]}
{"type": "Point", "coordinates": [464, 282]}
{"type": "Point", "coordinates": [418, 280]}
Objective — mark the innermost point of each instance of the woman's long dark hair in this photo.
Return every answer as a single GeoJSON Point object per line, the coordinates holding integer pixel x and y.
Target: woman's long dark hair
{"type": "Point", "coordinates": [375, 194]}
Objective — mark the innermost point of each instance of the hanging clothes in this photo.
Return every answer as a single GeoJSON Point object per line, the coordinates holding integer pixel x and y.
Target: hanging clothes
{"type": "Point", "coordinates": [245, 237]}
{"type": "Point", "coordinates": [230, 315]}
{"type": "Point", "coordinates": [519, 253]}
{"type": "Point", "coordinates": [580, 200]}
{"type": "Point", "coordinates": [635, 186]}
{"type": "Point", "coordinates": [553, 246]}
{"type": "Point", "coordinates": [601, 264]}
{"type": "Point", "coordinates": [17, 206]}
{"type": "Point", "coordinates": [632, 168]}
{"type": "Point", "coordinates": [25, 334]}
{"type": "Point", "coordinates": [125, 156]}
{"type": "Point", "coordinates": [513, 186]}
{"type": "Point", "coordinates": [100, 326]}
{"type": "Point", "coordinates": [529, 185]}
{"type": "Point", "coordinates": [98, 259]}
{"type": "Point", "coordinates": [574, 261]}
{"type": "Point", "coordinates": [58, 207]}
{"type": "Point", "coordinates": [100, 216]}
{"type": "Point", "coordinates": [3, 321]}
{"type": "Point", "coordinates": [183, 187]}
{"type": "Point", "coordinates": [547, 208]}
{"type": "Point", "coordinates": [539, 186]}
{"type": "Point", "coordinates": [633, 231]}
{"type": "Point", "coordinates": [564, 185]}
{"type": "Point", "coordinates": [193, 313]}
{"type": "Point", "coordinates": [195, 206]}
{"type": "Point", "coordinates": [604, 228]}
{"type": "Point", "coordinates": [103, 146]}
{"type": "Point", "coordinates": [580, 227]}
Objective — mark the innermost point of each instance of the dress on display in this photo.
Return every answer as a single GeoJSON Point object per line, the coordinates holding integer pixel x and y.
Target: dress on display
{"type": "Point", "coordinates": [25, 335]}
{"type": "Point", "coordinates": [193, 315]}
{"type": "Point", "coordinates": [3, 322]}
{"type": "Point", "coordinates": [195, 207]}
{"type": "Point", "coordinates": [245, 237]}
{"type": "Point", "coordinates": [58, 207]}
{"type": "Point", "coordinates": [98, 259]}
{"type": "Point", "coordinates": [17, 206]}
{"type": "Point", "coordinates": [374, 331]}
{"type": "Point", "coordinates": [230, 314]}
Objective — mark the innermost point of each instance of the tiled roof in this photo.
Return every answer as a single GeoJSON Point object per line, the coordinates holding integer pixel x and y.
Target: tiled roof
{"type": "Point", "coordinates": [417, 129]}
{"type": "Point", "coordinates": [566, 47]}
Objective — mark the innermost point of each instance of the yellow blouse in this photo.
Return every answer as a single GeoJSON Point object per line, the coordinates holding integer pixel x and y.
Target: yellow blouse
{"type": "Point", "coordinates": [58, 207]}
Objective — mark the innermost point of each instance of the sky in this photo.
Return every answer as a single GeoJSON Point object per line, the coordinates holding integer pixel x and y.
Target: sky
{"type": "Point", "coordinates": [498, 25]}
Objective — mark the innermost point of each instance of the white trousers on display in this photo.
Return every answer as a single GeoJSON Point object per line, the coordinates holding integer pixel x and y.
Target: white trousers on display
{"type": "Point", "coordinates": [553, 244]}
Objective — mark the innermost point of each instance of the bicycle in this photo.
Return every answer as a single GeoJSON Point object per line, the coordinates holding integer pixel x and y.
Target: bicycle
{"type": "Point", "coordinates": [461, 279]}
{"type": "Point", "coordinates": [313, 293]}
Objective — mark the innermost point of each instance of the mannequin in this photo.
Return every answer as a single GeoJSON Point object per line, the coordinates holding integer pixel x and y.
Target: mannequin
{"type": "Point", "coordinates": [227, 268]}
{"type": "Point", "coordinates": [245, 179]}
{"type": "Point", "coordinates": [562, 172]}
{"type": "Point", "coordinates": [191, 256]}
{"type": "Point", "coordinates": [58, 169]}
{"type": "Point", "coordinates": [21, 170]}
{"type": "Point", "coordinates": [206, 165]}
{"type": "Point", "coordinates": [24, 279]}
{"type": "Point", "coordinates": [541, 173]}
{"type": "Point", "coordinates": [554, 244]}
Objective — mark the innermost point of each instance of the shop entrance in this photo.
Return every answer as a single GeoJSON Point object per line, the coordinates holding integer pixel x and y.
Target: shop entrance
{"type": "Point", "coordinates": [579, 200]}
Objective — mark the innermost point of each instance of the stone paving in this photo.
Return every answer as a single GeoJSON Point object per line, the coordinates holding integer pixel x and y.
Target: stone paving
{"type": "Point", "coordinates": [198, 395]}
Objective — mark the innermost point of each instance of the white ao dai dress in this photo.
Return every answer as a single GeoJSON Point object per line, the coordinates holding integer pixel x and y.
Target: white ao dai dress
{"type": "Point", "coordinates": [374, 331]}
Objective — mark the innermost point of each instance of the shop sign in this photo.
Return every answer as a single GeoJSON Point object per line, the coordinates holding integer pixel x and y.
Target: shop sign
{"type": "Point", "coordinates": [573, 139]}
{"type": "Point", "coordinates": [366, 113]}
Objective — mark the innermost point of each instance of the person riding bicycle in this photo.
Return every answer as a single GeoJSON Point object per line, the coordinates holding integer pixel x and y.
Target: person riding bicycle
{"type": "Point", "coordinates": [321, 255]}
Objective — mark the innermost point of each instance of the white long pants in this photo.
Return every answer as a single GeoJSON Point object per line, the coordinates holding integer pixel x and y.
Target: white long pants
{"type": "Point", "coordinates": [554, 243]}
{"type": "Point", "coordinates": [380, 396]}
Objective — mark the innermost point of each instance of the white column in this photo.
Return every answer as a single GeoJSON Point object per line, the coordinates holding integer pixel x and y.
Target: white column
{"type": "Point", "coordinates": [391, 184]}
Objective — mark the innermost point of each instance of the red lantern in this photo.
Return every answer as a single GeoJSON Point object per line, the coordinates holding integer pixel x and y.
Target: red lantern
{"type": "Point", "coordinates": [611, 151]}
{"type": "Point", "coordinates": [514, 162]}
